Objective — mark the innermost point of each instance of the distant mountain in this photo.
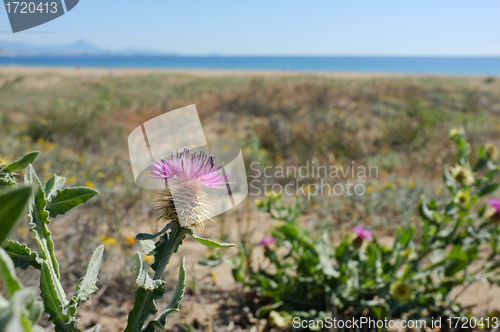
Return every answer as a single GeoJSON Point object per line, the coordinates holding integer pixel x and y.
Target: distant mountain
{"type": "Point", "coordinates": [79, 48]}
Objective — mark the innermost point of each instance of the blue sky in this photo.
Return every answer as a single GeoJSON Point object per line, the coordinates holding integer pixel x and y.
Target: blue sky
{"type": "Point", "coordinates": [276, 27]}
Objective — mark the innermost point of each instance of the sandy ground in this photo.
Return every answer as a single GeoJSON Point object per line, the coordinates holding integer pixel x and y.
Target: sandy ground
{"type": "Point", "coordinates": [79, 71]}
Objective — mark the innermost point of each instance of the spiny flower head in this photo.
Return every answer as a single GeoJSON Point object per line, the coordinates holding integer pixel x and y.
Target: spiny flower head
{"type": "Point", "coordinates": [186, 202]}
{"type": "Point", "coordinates": [185, 166]}
{"type": "Point", "coordinates": [454, 132]}
{"type": "Point", "coordinates": [362, 232]}
{"type": "Point", "coordinates": [401, 291]}
{"type": "Point", "coordinates": [362, 235]}
{"type": "Point", "coordinates": [493, 213]}
{"type": "Point", "coordinates": [266, 241]}
{"type": "Point", "coordinates": [462, 197]}
{"type": "Point", "coordinates": [491, 151]}
{"type": "Point", "coordinates": [462, 175]}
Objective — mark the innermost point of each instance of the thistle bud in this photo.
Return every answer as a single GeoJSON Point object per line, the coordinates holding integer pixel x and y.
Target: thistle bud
{"type": "Point", "coordinates": [493, 212]}
{"type": "Point", "coordinates": [454, 132]}
{"type": "Point", "coordinates": [491, 151]}
{"type": "Point", "coordinates": [462, 197]}
{"type": "Point", "coordinates": [462, 175]}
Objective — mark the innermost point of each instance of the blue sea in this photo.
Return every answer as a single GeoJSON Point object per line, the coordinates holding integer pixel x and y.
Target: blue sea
{"type": "Point", "coordinates": [410, 65]}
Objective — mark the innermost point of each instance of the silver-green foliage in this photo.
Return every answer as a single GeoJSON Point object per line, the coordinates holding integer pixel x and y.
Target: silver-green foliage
{"type": "Point", "coordinates": [44, 201]}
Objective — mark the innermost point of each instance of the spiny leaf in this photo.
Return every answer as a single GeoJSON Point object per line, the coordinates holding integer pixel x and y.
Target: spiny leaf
{"type": "Point", "coordinates": [173, 307]}
{"type": "Point", "coordinates": [142, 278]}
{"type": "Point", "coordinates": [66, 199]}
{"type": "Point", "coordinates": [38, 202]}
{"type": "Point", "coordinates": [487, 189]}
{"type": "Point", "coordinates": [148, 246]}
{"type": "Point", "coordinates": [55, 183]}
{"type": "Point", "coordinates": [22, 256]}
{"type": "Point", "coordinates": [10, 280]}
{"type": "Point", "coordinates": [87, 284]}
{"type": "Point", "coordinates": [52, 302]}
{"type": "Point", "coordinates": [22, 312]}
{"type": "Point", "coordinates": [13, 203]}
{"type": "Point", "coordinates": [38, 222]}
{"type": "Point", "coordinates": [211, 243]}
{"type": "Point", "coordinates": [22, 162]}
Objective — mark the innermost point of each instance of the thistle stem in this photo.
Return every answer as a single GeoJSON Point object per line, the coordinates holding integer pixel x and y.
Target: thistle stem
{"type": "Point", "coordinates": [176, 236]}
{"type": "Point", "coordinates": [144, 298]}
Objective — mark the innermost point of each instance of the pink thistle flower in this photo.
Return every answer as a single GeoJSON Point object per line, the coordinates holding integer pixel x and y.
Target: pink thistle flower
{"type": "Point", "coordinates": [362, 232]}
{"type": "Point", "coordinates": [495, 203]}
{"type": "Point", "coordinates": [186, 202]}
{"type": "Point", "coordinates": [185, 167]}
{"type": "Point", "coordinates": [266, 241]}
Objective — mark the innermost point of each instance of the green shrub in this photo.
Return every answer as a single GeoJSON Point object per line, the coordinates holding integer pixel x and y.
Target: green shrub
{"type": "Point", "coordinates": [305, 275]}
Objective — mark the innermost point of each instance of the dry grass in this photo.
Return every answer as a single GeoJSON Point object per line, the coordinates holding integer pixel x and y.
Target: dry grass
{"type": "Point", "coordinates": [80, 122]}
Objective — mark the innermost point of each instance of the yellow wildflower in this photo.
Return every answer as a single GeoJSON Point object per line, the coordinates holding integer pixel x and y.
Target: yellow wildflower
{"type": "Point", "coordinates": [22, 230]}
{"type": "Point", "coordinates": [89, 184]}
{"type": "Point", "coordinates": [129, 240]}
{"type": "Point", "coordinates": [108, 240]}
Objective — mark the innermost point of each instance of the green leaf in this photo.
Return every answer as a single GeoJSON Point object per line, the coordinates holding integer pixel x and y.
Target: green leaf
{"type": "Point", "coordinates": [21, 313]}
{"type": "Point", "coordinates": [87, 284]}
{"type": "Point", "coordinates": [13, 203]}
{"type": "Point", "coordinates": [447, 178]}
{"type": "Point", "coordinates": [142, 278]}
{"type": "Point", "coordinates": [290, 231]}
{"type": "Point", "coordinates": [6, 180]}
{"type": "Point", "coordinates": [173, 307]}
{"type": "Point", "coordinates": [39, 218]}
{"type": "Point", "coordinates": [425, 212]}
{"type": "Point", "coordinates": [146, 293]}
{"type": "Point", "coordinates": [486, 189]}
{"type": "Point", "coordinates": [406, 236]}
{"type": "Point", "coordinates": [52, 302]}
{"type": "Point", "coordinates": [38, 201]}
{"type": "Point", "coordinates": [480, 164]}
{"type": "Point", "coordinates": [66, 199]}
{"type": "Point", "coordinates": [211, 243]}
{"type": "Point", "coordinates": [7, 270]}
{"type": "Point", "coordinates": [55, 183]}
{"type": "Point", "coordinates": [146, 236]}
{"type": "Point", "coordinates": [22, 256]}
{"type": "Point", "coordinates": [22, 162]}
